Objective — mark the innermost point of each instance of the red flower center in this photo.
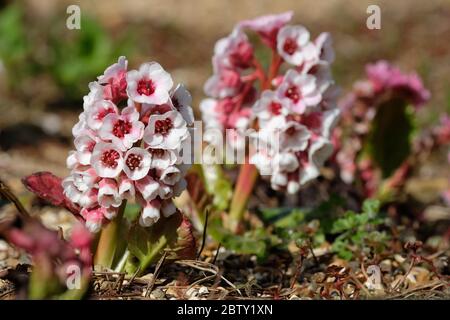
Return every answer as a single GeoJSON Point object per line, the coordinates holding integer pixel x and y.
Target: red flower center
{"type": "Point", "coordinates": [103, 113]}
{"type": "Point", "coordinates": [291, 131]}
{"type": "Point", "coordinates": [157, 152]}
{"type": "Point", "coordinates": [145, 87]}
{"type": "Point", "coordinates": [163, 126]}
{"type": "Point", "coordinates": [133, 161]}
{"type": "Point", "coordinates": [121, 128]}
{"type": "Point", "coordinates": [293, 94]}
{"type": "Point", "coordinates": [290, 46]}
{"type": "Point", "coordinates": [109, 158]}
{"type": "Point", "coordinates": [275, 108]}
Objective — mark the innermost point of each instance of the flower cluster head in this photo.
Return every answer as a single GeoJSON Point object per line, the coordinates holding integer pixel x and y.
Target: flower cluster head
{"type": "Point", "coordinates": [128, 143]}
{"type": "Point", "coordinates": [384, 82]}
{"type": "Point", "coordinates": [288, 111]}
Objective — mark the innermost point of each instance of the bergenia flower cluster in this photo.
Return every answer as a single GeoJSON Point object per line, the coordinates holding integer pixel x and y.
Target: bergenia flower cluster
{"type": "Point", "coordinates": [296, 102]}
{"type": "Point", "coordinates": [128, 144]}
{"type": "Point", "coordinates": [359, 108]}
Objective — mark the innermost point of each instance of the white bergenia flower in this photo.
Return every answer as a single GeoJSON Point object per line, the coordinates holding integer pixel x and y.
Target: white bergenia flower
{"type": "Point", "coordinates": [268, 106]}
{"type": "Point", "coordinates": [112, 162]}
{"type": "Point", "coordinates": [170, 175]}
{"type": "Point", "coordinates": [294, 136]}
{"type": "Point", "coordinates": [162, 159]}
{"type": "Point", "coordinates": [285, 161]}
{"type": "Point", "coordinates": [324, 44]}
{"type": "Point", "coordinates": [95, 94]}
{"type": "Point", "coordinates": [126, 188]}
{"type": "Point", "coordinates": [81, 126]}
{"type": "Point", "coordinates": [209, 114]}
{"type": "Point", "coordinates": [151, 84]}
{"type": "Point", "coordinates": [148, 187]}
{"type": "Point", "coordinates": [85, 145]}
{"type": "Point", "coordinates": [150, 213]}
{"type": "Point", "coordinates": [182, 101]}
{"type": "Point", "coordinates": [300, 91]}
{"type": "Point", "coordinates": [263, 161]}
{"type": "Point", "coordinates": [108, 193]}
{"type": "Point", "coordinates": [89, 198]}
{"type": "Point", "coordinates": [97, 113]}
{"type": "Point", "coordinates": [86, 197]}
{"type": "Point", "coordinates": [84, 179]}
{"type": "Point", "coordinates": [107, 160]}
{"type": "Point", "coordinates": [166, 131]}
{"type": "Point", "coordinates": [137, 163]}
{"type": "Point", "coordinates": [319, 151]}
{"type": "Point", "coordinates": [290, 43]}
{"type": "Point", "coordinates": [72, 160]}
{"type": "Point", "coordinates": [123, 130]}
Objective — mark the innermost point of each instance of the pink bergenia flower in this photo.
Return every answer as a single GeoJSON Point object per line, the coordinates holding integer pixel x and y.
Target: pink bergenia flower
{"type": "Point", "coordinates": [95, 218]}
{"type": "Point", "coordinates": [268, 26]}
{"type": "Point", "coordinates": [108, 193]}
{"type": "Point", "coordinates": [151, 84]}
{"type": "Point", "coordinates": [300, 91]}
{"type": "Point", "coordinates": [234, 51]}
{"type": "Point", "coordinates": [291, 117]}
{"type": "Point", "coordinates": [291, 42]}
{"type": "Point", "coordinates": [224, 83]}
{"type": "Point", "coordinates": [98, 112]}
{"type": "Point", "coordinates": [385, 76]}
{"type": "Point", "coordinates": [268, 106]}
{"type": "Point", "coordinates": [114, 81]}
{"type": "Point", "coordinates": [113, 161]}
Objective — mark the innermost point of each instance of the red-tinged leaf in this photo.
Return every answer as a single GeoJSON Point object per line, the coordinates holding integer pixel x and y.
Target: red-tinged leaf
{"type": "Point", "coordinates": [48, 187]}
{"type": "Point", "coordinates": [186, 245]}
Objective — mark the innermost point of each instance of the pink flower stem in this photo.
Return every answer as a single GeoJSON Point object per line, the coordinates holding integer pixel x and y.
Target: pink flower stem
{"type": "Point", "coordinates": [108, 242]}
{"type": "Point", "coordinates": [248, 173]}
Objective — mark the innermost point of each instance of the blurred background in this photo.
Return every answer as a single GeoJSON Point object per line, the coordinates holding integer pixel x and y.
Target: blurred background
{"type": "Point", "coordinates": [45, 68]}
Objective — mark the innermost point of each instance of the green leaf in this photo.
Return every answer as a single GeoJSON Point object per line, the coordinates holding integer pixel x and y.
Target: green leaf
{"type": "Point", "coordinates": [390, 137]}
{"type": "Point", "coordinates": [147, 245]}
{"type": "Point", "coordinates": [371, 207]}
{"type": "Point", "coordinates": [252, 242]}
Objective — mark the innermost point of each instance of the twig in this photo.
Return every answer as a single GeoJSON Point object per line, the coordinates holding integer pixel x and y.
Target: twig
{"type": "Point", "coordinates": [204, 235]}
{"type": "Point", "coordinates": [412, 264]}
{"type": "Point", "coordinates": [362, 286]}
{"type": "Point", "coordinates": [155, 274]}
{"type": "Point", "coordinates": [207, 267]}
{"type": "Point", "coordinates": [297, 271]}
{"type": "Point", "coordinates": [217, 253]}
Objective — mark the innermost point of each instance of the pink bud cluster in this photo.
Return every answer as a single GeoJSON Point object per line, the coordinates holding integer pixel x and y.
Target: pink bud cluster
{"type": "Point", "coordinates": [384, 81]}
{"type": "Point", "coordinates": [298, 105]}
{"type": "Point", "coordinates": [128, 144]}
